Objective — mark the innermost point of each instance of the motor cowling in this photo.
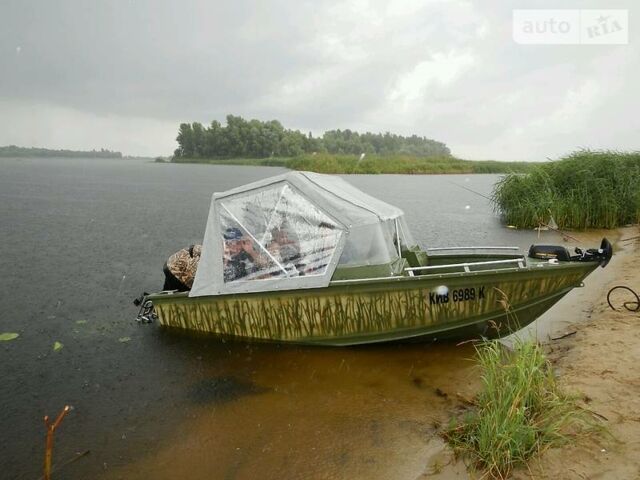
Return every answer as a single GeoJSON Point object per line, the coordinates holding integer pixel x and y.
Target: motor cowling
{"type": "Point", "coordinates": [548, 252]}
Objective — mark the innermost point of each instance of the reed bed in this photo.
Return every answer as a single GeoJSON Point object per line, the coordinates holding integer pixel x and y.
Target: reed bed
{"type": "Point", "coordinates": [520, 411]}
{"type": "Point", "coordinates": [404, 164]}
{"type": "Point", "coordinates": [372, 164]}
{"type": "Point", "coordinates": [586, 189]}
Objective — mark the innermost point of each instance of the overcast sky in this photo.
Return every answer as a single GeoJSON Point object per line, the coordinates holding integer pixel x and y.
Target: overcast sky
{"type": "Point", "coordinates": [123, 74]}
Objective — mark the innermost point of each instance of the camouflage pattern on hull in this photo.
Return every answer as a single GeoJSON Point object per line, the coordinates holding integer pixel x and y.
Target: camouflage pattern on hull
{"type": "Point", "coordinates": [425, 307]}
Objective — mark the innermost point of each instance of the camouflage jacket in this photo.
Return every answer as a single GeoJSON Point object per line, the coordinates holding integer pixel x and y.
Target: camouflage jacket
{"type": "Point", "coordinates": [184, 263]}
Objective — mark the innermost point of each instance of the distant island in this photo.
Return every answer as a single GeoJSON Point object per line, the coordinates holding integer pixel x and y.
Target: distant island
{"type": "Point", "coordinates": [242, 138]}
{"type": "Point", "coordinates": [14, 151]}
{"type": "Point", "coordinates": [268, 143]}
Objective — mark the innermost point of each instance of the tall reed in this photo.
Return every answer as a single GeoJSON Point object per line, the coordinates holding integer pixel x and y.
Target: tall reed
{"type": "Point", "coordinates": [519, 412]}
{"type": "Point", "coordinates": [586, 189]}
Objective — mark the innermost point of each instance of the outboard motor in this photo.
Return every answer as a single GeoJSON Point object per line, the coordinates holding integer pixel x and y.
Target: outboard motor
{"type": "Point", "coordinates": [548, 252]}
{"type": "Point", "coordinates": [602, 254]}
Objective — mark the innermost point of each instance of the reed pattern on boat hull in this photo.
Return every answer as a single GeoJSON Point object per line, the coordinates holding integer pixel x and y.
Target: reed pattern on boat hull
{"type": "Point", "coordinates": [361, 310]}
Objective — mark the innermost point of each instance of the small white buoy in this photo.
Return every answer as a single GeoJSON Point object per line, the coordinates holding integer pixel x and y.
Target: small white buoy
{"type": "Point", "coordinates": [467, 207]}
{"type": "Point", "coordinates": [442, 290]}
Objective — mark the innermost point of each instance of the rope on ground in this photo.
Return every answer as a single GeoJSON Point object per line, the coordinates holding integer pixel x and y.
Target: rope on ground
{"type": "Point", "coordinates": [630, 305]}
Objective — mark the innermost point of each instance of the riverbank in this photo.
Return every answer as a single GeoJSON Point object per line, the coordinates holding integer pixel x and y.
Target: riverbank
{"type": "Point", "coordinates": [12, 151]}
{"type": "Point", "coordinates": [600, 362]}
{"type": "Point", "coordinates": [372, 164]}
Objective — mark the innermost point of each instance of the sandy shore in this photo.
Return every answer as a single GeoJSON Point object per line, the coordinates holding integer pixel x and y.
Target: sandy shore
{"type": "Point", "coordinates": [598, 360]}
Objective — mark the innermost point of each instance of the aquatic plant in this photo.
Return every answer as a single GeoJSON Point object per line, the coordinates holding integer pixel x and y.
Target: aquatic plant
{"type": "Point", "coordinates": [520, 411]}
{"type": "Point", "coordinates": [586, 189]}
{"type": "Point", "coordinates": [8, 336]}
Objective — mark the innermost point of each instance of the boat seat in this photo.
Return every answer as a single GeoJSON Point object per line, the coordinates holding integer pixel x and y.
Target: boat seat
{"type": "Point", "coordinates": [416, 257]}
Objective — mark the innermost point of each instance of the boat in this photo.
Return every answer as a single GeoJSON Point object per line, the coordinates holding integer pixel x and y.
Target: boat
{"type": "Point", "coordinates": [309, 259]}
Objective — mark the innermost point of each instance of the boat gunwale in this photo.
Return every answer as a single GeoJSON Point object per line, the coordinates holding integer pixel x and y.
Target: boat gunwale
{"type": "Point", "coordinates": [377, 281]}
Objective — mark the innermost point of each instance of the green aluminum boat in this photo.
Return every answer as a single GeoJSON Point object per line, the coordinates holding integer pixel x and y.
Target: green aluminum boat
{"type": "Point", "coordinates": [308, 258]}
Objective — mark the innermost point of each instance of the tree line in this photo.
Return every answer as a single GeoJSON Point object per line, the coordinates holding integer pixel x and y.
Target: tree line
{"type": "Point", "coordinates": [242, 138]}
{"type": "Point", "coordinates": [14, 151]}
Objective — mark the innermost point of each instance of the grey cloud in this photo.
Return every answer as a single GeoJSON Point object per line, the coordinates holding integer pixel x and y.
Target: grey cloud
{"type": "Point", "coordinates": [445, 69]}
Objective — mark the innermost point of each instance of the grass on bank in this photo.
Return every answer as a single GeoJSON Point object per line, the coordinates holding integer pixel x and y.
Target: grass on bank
{"type": "Point", "coordinates": [586, 189]}
{"type": "Point", "coordinates": [373, 164]}
{"type": "Point", "coordinates": [520, 411]}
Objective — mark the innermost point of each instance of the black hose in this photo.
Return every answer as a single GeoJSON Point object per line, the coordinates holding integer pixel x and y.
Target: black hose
{"type": "Point", "coordinates": [631, 306]}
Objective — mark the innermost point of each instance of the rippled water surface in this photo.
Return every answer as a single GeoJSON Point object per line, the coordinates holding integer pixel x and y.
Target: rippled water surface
{"type": "Point", "coordinates": [79, 239]}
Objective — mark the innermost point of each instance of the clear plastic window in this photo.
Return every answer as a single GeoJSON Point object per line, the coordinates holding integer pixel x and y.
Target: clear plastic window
{"type": "Point", "coordinates": [368, 245]}
{"type": "Point", "coordinates": [275, 233]}
{"type": "Point", "coordinates": [376, 244]}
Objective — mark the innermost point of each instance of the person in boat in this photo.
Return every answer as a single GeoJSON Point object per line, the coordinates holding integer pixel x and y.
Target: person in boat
{"type": "Point", "coordinates": [323, 248]}
{"type": "Point", "coordinates": [240, 257]}
{"type": "Point", "coordinates": [180, 269]}
{"type": "Point", "coordinates": [284, 248]}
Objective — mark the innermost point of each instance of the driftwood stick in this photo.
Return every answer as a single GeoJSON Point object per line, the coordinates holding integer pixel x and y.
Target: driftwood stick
{"type": "Point", "coordinates": [565, 335]}
{"type": "Point", "coordinates": [51, 428]}
{"type": "Point", "coordinates": [465, 400]}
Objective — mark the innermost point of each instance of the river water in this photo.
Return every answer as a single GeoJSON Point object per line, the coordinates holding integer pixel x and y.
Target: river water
{"type": "Point", "coordinates": [80, 238]}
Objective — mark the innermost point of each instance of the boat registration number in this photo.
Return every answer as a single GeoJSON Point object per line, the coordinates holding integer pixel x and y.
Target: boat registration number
{"type": "Point", "coordinates": [457, 295]}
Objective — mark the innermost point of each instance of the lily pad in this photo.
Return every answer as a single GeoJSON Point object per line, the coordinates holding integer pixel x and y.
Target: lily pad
{"type": "Point", "coordinates": [57, 346]}
{"type": "Point", "coordinates": [124, 339]}
{"type": "Point", "coordinates": [5, 337]}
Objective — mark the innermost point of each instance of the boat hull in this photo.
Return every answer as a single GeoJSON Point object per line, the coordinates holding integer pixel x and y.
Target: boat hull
{"type": "Point", "coordinates": [422, 308]}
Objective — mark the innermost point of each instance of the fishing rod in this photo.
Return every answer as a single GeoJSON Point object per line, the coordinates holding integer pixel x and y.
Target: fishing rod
{"type": "Point", "coordinates": [470, 190]}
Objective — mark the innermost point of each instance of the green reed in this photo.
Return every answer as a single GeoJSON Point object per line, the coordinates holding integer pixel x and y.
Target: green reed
{"type": "Point", "coordinates": [402, 164]}
{"type": "Point", "coordinates": [586, 189]}
{"type": "Point", "coordinates": [372, 164]}
{"type": "Point", "coordinates": [519, 412]}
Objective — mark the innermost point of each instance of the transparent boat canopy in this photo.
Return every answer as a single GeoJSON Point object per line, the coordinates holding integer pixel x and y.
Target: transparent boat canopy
{"type": "Point", "coordinates": [292, 231]}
